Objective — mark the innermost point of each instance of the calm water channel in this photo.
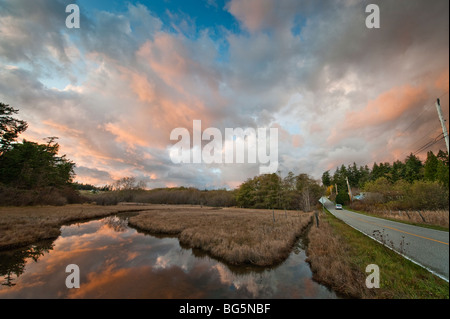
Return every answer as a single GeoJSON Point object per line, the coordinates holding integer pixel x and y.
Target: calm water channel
{"type": "Point", "coordinates": [117, 261]}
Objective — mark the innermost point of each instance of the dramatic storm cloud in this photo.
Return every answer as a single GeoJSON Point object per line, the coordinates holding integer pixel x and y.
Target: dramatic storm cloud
{"type": "Point", "coordinates": [114, 89]}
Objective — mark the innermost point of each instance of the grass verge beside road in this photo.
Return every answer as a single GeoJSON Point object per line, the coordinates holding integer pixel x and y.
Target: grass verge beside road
{"type": "Point", "coordinates": [339, 255]}
{"type": "Point", "coordinates": [438, 220]}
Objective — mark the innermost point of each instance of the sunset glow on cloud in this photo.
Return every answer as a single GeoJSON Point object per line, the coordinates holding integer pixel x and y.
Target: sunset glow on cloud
{"type": "Point", "coordinates": [114, 89]}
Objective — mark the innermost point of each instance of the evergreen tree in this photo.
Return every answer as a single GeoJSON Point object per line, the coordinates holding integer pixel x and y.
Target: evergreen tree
{"type": "Point", "coordinates": [413, 167]}
{"type": "Point", "coordinates": [10, 128]}
{"type": "Point", "coordinates": [431, 167]}
{"type": "Point", "coordinates": [326, 179]}
{"type": "Point", "coordinates": [31, 165]}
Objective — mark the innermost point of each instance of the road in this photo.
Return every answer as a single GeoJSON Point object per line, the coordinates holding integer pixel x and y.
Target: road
{"type": "Point", "coordinates": [426, 247]}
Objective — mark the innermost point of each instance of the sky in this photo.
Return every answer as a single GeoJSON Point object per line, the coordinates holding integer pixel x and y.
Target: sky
{"type": "Point", "coordinates": [115, 88]}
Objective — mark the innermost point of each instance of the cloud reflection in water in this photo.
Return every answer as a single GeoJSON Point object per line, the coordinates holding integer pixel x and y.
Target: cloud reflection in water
{"type": "Point", "coordinates": [117, 261]}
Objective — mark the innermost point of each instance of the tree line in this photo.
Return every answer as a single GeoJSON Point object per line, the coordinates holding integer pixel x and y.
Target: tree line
{"type": "Point", "coordinates": [271, 191]}
{"type": "Point", "coordinates": [109, 195]}
{"type": "Point", "coordinates": [266, 191]}
{"type": "Point", "coordinates": [435, 168]}
{"type": "Point", "coordinates": [408, 184]}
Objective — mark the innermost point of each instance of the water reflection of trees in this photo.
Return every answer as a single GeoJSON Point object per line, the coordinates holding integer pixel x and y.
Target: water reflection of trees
{"type": "Point", "coordinates": [12, 263]}
{"type": "Point", "coordinates": [116, 223]}
{"type": "Point", "coordinates": [202, 254]}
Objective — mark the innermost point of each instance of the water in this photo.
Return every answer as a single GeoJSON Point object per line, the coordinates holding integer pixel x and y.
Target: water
{"type": "Point", "coordinates": [117, 261]}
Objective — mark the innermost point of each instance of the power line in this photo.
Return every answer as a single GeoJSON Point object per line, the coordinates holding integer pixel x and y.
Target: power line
{"type": "Point", "coordinates": [433, 141]}
{"type": "Point", "coordinates": [429, 144]}
{"type": "Point", "coordinates": [427, 135]}
{"type": "Point", "coordinates": [427, 107]}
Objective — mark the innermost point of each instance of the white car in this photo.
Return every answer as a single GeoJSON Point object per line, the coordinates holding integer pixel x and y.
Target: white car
{"type": "Point", "coordinates": [338, 206]}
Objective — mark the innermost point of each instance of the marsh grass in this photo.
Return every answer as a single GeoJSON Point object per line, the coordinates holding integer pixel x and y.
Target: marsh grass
{"type": "Point", "coordinates": [236, 236]}
{"type": "Point", "coordinates": [20, 226]}
{"type": "Point", "coordinates": [437, 219]}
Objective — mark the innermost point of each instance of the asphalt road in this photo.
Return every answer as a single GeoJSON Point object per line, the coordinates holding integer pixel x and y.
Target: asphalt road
{"type": "Point", "coordinates": [426, 247]}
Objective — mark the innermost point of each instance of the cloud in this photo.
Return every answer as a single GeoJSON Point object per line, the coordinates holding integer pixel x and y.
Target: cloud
{"type": "Point", "coordinates": [93, 176]}
{"type": "Point", "coordinates": [337, 91]}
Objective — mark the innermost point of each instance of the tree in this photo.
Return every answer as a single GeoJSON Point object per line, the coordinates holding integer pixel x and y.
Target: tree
{"type": "Point", "coordinates": [272, 191]}
{"type": "Point", "coordinates": [309, 190]}
{"type": "Point", "coordinates": [339, 177]}
{"type": "Point", "coordinates": [431, 167]}
{"type": "Point", "coordinates": [380, 185]}
{"type": "Point", "coordinates": [10, 128]}
{"type": "Point", "coordinates": [413, 167]}
{"type": "Point", "coordinates": [245, 195]}
{"type": "Point", "coordinates": [342, 198]}
{"type": "Point", "coordinates": [289, 196]}
{"type": "Point", "coordinates": [31, 165]}
{"type": "Point", "coordinates": [353, 175]}
{"type": "Point", "coordinates": [428, 195]}
{"type": "Point", "coordinates": [442, 170]}
{"type": "Point", "coordinates": [326, 179]}
{"type": "Point", "coordinates": [443, 157]}
{"type": "Point", "coordinates": [442, 174]}
{"type": "Point", "coordinates": [398, 171]}
{"type": "Point", "coordinates": [128, 183]}
{"type": "Point", "coordinates": [364, 175]}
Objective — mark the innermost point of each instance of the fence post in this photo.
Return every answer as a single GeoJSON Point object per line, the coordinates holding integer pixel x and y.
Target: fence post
{"type": "Point", "coordinates": [421, 216]}
{"type": "Point", "coordinates": [317, 218]}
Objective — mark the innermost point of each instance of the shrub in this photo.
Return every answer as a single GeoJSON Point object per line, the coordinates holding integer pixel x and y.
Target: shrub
{"type": "Point", "coordinates": [11, 196]}
{"type": "Point", "coordinates": [342, 198]}
{"type": "Point", "coordinates": [427, 195]}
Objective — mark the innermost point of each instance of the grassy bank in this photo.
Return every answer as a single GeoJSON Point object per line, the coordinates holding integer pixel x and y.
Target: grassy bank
{"type": "Point", "coordinates": [338, 255]}
{"type": "Point", "coordinates": [20, 226]}
{"type": "Point", "coordinates": [434, 219]}
{"type": "Point", "coordinates": [236, 236]}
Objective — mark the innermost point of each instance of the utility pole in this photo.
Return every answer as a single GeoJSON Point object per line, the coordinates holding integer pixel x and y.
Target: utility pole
{"type": "Point", "coordinates": [349, 190]}
{"type": "Point", "coordinates": [444, 127]}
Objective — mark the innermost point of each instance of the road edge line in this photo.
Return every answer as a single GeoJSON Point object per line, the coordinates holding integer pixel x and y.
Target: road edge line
{"type": "Point", "coordinates": [406, 257]}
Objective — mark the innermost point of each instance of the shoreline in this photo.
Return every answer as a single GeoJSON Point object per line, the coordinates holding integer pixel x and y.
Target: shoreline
{"type": "Point", "coordinates": [248, 237]}
{"type": "Point", "coordinates": [22, 226]}
{"type": "Point", "coordinates": [235, 236]}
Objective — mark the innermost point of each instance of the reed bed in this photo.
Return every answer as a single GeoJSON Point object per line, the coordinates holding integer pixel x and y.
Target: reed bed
{"type": "Point", "coordinates": [20, 226]}
{"type": "Point", "coordinates": [236, 236]}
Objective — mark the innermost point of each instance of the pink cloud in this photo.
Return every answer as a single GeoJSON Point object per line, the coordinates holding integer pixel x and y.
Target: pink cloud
{"type": "Point", "coordinates": [252, 13]}
{"type": "Point", "coordinates": [387, 107]}
{"type": "Point", "coordinates": [297, 140]}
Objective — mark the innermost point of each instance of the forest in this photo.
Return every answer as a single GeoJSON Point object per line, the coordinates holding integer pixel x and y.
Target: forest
{"type": "Point", "coordinates": [408, 184]}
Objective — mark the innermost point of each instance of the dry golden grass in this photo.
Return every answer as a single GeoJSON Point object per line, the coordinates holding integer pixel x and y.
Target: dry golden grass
{"type": "Point", "coordinates": [236, 236]}
{"type": "Point", "coordinates": [429, 217]}
{"type": "Point", "coordinates": [328, 258]}
{"type": "Point", "coordinates": [21, 226]}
